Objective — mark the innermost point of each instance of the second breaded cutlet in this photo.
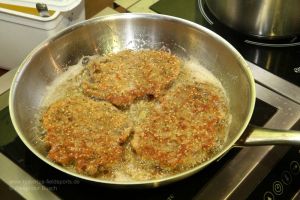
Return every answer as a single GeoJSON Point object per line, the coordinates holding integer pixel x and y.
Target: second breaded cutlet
{"type": "Point", "coordinates": [184, 129]}
{"type": "Point", "coordinates": [123, 77]}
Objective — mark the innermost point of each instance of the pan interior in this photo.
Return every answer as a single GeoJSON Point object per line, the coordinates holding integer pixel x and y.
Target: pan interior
{"type": "Point", "coordinates": [134, 31]}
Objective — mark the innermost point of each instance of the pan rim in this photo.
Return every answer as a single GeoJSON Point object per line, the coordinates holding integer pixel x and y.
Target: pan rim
{"type": "Point", "coordinates": [149, 183]}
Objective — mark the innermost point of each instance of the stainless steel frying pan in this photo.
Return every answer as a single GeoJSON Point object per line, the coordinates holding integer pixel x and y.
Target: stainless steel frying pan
{"type": "Point", "coordinates": [136, 31]}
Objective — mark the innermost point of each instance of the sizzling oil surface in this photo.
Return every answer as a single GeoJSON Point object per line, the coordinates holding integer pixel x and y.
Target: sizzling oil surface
{"type": "Point", "coordinates": [133, 168]}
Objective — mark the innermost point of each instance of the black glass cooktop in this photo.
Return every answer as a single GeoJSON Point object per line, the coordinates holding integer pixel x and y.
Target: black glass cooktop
{"type": "Point", "coordinates": [67, 187]}
{"type": "Point", "coordinates": [280, 57]}
{"type": "Point", "coordinates": [282, 61]}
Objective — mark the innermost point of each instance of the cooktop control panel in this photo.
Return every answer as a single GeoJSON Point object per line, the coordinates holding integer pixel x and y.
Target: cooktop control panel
{"type": "Point", "coordinates": [283, 181]}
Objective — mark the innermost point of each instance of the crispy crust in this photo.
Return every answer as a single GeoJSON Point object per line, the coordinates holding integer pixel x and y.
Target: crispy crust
{"type": "Point", "coordinates": [184, 130]}
{"type": "Point", "coordinates": [123, 77]}
{"type": "Point", "coordinates": [164, 122]}
{"type": "Point", "coordinates": [85, 133]}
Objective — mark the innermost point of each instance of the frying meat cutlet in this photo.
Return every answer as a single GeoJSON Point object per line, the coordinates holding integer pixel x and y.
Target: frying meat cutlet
{"type": "Point", "coordinates": [185, 129]}
{"type": "Point", "coordinates": [86, 134]}
{"type": "Point", "coordinates": [160, 68]}
{"type": "Point", "coordinates": [123, 77]}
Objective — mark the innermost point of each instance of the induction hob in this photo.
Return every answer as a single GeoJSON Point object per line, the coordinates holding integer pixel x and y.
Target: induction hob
{"type": "Point", "coordinates": [265, 172]}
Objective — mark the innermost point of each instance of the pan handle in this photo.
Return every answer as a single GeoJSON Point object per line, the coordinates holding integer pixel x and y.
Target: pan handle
{"type": "Point", "coordinates": [255, 136]}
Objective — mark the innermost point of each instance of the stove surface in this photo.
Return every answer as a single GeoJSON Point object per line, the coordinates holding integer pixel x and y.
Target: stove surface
{"type": "Point", "coordinates": [265, 172]}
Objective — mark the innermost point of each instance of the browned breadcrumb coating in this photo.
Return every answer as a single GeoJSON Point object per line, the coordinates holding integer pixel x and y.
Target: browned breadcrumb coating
{"type": "Point", "coordinates": [85, 133]}
{"type": "Point", "coordinates": [184, 129]}
{"type": "Point", "coordinates": [123, 77]}
{"type": "Point", "coordinates": [165, 120]}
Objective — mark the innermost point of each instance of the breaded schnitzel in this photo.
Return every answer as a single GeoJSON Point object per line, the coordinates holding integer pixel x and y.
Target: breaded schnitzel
{"type": "Point", "coordinates": [123, 77]}
{"type": "Point", "coordinates": [85, 133]}
{"type": "Point", "coordinates": [184, 130]}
